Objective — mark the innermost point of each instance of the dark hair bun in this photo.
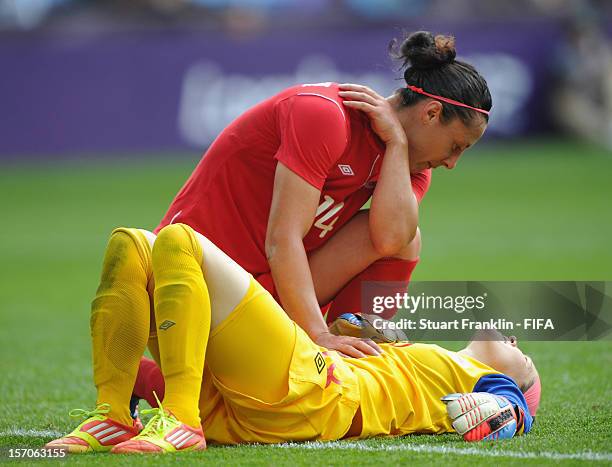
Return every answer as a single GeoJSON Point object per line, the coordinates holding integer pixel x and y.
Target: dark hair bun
{"type": "Point", "coordinates": [423, 51]}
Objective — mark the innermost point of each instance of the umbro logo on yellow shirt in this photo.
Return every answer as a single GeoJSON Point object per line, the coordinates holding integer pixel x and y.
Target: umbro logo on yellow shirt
{"type": "Point", "coordinates": [319, 362]}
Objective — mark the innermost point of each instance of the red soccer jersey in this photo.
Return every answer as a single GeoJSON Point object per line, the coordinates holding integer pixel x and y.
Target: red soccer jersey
{"type": "Point", "coordinates": [307, 128]}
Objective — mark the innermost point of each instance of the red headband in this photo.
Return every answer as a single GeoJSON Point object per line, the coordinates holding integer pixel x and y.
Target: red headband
{"type": "Point", "coordinates": [446, 99]}
{"type": "Point", "coordinates": [532, 396]}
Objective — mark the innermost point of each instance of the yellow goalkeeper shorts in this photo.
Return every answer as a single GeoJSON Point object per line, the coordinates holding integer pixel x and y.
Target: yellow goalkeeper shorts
{"type": "Point", "coordinates": [265, 381]}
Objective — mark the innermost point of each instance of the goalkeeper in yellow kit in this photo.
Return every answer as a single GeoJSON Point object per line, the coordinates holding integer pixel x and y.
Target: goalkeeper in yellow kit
{"type": "Point", "coordinates": [237, 369]}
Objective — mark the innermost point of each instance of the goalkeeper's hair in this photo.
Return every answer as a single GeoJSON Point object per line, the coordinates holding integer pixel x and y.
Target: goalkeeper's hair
{"type": "Point", "coordinates": [532, 392]}
{"type": "Point", "coordinates": [525, 386]}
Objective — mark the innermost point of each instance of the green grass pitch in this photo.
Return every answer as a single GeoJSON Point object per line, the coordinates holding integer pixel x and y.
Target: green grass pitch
{"type": "Point", "coordinates": [537, 211]}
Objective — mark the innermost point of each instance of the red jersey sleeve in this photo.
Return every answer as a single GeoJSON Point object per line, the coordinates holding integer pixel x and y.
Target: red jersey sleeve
{"type": "Point", "coordinates": [314, 135]}
{"type": "Point", "coordinates": [420, 183]}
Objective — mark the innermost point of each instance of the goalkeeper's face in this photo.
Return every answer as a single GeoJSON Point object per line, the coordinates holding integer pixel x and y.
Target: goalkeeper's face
{"type": "Point", "coordinates": [503, 354]}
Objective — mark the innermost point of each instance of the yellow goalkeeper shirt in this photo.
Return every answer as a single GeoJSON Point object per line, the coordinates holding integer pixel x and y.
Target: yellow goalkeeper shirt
{"type": "Point", "coordinates": [400, 391]}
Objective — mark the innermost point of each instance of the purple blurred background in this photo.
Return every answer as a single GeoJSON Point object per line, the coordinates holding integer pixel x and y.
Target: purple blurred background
{"type": "Point", "coordinates": [95, 77]}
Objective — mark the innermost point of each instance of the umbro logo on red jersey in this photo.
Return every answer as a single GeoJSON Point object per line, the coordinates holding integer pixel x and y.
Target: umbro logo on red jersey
{"type": "Point", "coordinates": [346, 169]}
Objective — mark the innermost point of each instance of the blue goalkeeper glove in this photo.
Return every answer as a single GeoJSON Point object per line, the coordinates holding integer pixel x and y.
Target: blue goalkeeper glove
{"type": "Point", "coordinates": [479, 416]}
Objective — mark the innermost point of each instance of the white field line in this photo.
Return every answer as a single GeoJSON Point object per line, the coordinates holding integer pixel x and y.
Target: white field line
{"type": "Point", "coordinates": [360, 446]}
{"type": "Point", "coordinates": [467, 451]}
{"type": "Point", "coordinates": [30, 433]}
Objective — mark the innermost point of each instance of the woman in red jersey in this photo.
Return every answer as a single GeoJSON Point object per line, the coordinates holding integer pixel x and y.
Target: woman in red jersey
{"type": "Point", "coordinates": [280, 190]}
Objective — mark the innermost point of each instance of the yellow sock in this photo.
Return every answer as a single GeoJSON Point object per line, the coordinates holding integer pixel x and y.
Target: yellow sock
{"type": "Point", "coordinates": [120, 315]}
{"type": "Point", "coordinates": [182, 314]}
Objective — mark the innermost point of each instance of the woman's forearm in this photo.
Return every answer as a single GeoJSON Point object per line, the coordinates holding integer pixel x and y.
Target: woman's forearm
{"type": "Point", "coordinates": [293, 281]}
{"type": "Point", "coordinates": [394, 208]}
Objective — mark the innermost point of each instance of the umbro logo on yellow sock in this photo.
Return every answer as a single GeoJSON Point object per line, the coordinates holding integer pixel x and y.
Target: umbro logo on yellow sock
{"type": "Point", "coordinates": [166, 324]}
